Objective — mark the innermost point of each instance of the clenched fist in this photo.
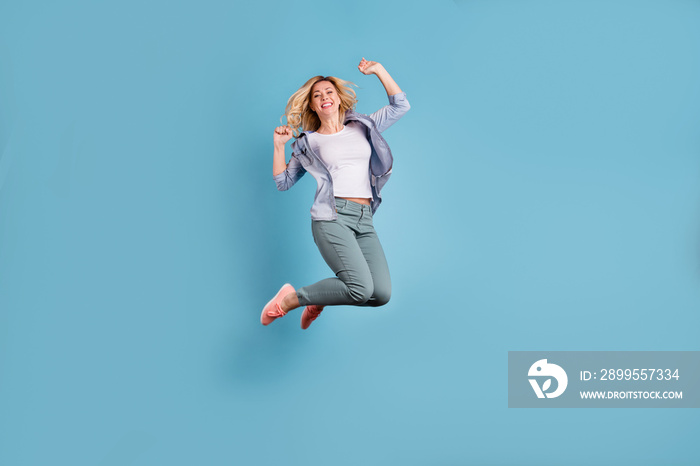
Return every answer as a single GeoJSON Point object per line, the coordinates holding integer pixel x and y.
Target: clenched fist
{"type": "Point", "coordinates": [282, 135]}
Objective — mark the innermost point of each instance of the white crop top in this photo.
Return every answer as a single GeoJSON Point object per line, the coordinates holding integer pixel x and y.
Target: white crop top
{"type": "Point", "coordinates": [346, 154]}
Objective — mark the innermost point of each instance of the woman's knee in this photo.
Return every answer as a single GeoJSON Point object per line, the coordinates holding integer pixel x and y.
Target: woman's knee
{"type": "Point", "coordinates": [381, 295]}
{"type": "Point", "coordinates": [360, 292]}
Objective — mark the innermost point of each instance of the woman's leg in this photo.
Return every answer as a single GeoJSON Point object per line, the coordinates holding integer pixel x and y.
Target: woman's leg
{"type": "Point", "coordinates": [374, 255]}
{"type": "Point", "coordinates": [352, 284]}
{"type": "Point", "coordinates": [337, 242]}
{"type": "Point", "coordinates": [351, 247]}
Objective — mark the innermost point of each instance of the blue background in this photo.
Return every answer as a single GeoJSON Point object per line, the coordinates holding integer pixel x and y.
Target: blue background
{"type": "Point", "coordinates": [545, 196]}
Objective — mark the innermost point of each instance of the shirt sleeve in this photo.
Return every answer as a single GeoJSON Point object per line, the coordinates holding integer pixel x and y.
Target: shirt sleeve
{"type": "Point", "coordinates": [290, 175]}
{"type": "Point", "coordinates": [390, 114]}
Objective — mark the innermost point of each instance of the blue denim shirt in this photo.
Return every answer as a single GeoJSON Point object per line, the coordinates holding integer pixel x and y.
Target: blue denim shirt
{"type": "Point", "coordinates": [304, 159]}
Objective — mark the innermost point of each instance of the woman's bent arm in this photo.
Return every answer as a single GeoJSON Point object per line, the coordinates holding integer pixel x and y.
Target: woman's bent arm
{"type": "Point", "coordinates": [387, 81]}
{"type": "Point", "coordinates": [390, 114]}
{"type": "Point", "coordinates": [286, 175]}
{"type": "Point", "coordinates": [278, 163]}
{"type": "Point", "coordinates": [373, 67]}
{"type": "Point", "coordinates": [398, 104]}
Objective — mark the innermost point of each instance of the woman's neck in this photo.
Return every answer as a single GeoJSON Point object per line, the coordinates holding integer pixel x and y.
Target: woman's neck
{"type": "Point", "coordinates": [330, 126]}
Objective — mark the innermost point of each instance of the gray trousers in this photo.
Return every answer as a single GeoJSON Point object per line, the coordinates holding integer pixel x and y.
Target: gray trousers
{"type": "Point", "coordinates": [351, 248]}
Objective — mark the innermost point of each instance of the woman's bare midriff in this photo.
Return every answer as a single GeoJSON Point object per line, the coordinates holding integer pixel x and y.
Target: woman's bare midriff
{"type": "Point", "coordinates": [359, 200]}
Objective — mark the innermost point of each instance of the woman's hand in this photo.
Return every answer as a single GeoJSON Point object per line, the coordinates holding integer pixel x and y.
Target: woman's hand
{"type": "Point", "coordinates": [282, 135]}
{"type": "Point", "coordinates": [369, 67]}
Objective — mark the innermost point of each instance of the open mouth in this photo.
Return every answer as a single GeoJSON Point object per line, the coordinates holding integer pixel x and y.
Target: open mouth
{"type": "Point", "coordinates": [326, 105]}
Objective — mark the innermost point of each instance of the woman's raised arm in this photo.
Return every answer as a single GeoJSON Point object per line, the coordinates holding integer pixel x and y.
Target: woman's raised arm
{"type": "Point", "coordinates": [373, 67]}
{"type": "Point", "coordinates": [398, 104]}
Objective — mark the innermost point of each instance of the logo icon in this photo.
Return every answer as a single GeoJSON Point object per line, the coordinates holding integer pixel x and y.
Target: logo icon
{"type": "Point", "coordinates": [544, 369]}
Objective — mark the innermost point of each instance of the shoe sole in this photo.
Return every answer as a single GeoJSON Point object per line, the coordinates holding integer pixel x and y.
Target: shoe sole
{"type": "Point", "coordinates": [270, 301]}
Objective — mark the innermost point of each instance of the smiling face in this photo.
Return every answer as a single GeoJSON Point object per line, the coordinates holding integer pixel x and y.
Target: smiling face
{"type": "Point", "coordinates": [324, 98]}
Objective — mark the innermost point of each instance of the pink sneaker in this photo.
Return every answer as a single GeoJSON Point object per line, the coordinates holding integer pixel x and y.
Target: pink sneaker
{"type": "Point", "coordinates": [272, 309]}
{"type": "Point", "coordinates": [309, 315]}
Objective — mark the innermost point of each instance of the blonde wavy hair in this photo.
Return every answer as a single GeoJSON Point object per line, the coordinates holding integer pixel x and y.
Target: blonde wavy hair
{"type": "Point", "coordinates": [298, 113]}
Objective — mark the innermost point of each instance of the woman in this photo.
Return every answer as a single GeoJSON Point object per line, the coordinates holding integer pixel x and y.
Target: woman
{"type": "Point", "coordinates": [351, 161]}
